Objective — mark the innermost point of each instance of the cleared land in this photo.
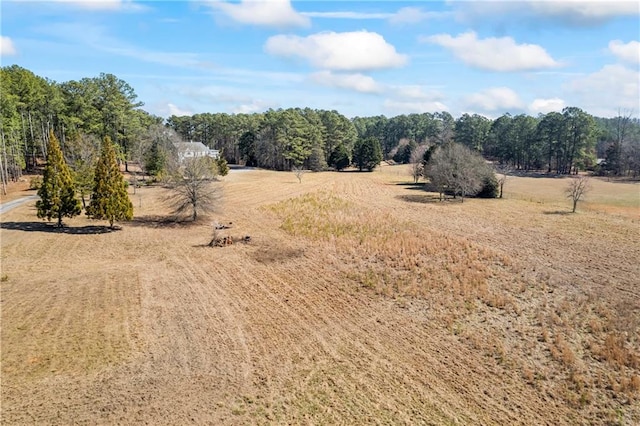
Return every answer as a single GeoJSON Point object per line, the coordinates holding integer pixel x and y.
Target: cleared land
{"type": "Point", "coordinates": [360, 299]}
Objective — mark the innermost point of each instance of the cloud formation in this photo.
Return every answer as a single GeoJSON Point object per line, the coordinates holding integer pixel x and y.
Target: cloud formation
{"type": "Point", "coordinates": [358, 82]}
{"type": "Point", "coordinates": [349, 51]}
{"type": "Point", "coordinates": [544, 106]}
{"type": "Point", "coordinates": [495, 54]}
{"type": "Point", "coordinates": [267, 13]}
{"type": "Point", "coordinates": [103, 5]}
{"type": "Point", "coordinates": [495, 99]}
{"type": "Point", "coordinates": [608, 89]}
{"type": "Point", "coordinates": [413, 15]}
{"type": "Point", "coordinates": [581, 13]}
{"type": "Point", "coordinates": [628, 52]}
{"type": "Point", "coordinates": [409, 107]}
{"type": "Point", "coordinates": [177, 111]}
{"type": "Point", "coordinates": [6, 47]}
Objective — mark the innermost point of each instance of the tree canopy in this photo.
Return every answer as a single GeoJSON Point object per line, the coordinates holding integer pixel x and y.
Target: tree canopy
{"type": "Point", "coordinates": [558, 142]}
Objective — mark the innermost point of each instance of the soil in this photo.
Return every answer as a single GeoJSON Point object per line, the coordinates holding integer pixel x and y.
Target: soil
{"type": "Point", "coordinates": [147, 324]}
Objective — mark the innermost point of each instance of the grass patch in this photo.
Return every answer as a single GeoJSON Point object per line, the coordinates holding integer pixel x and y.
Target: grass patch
{"type": "Point", "coordinates": [392, 257]}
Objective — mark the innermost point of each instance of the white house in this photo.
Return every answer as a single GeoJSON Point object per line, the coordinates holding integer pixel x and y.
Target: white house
{"type": "Point", "coordinates": [195, 149]}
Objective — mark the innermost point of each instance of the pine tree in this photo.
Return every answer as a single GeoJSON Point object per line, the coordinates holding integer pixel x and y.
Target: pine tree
{"type": "Point", "coordinates": [57, 192]}
{"type": "Point", "coordinates": [109, 199]}
{"type": "Point", "coordinates": [367, 154]}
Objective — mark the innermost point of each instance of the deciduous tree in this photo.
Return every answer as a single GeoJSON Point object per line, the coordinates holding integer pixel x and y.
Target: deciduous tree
{"type": "Point", "coordinates": [195, 188]}
{"type": "Point", "coordinates": [455, 168]}
{"type": "Point", "coordinates": [577, 188]}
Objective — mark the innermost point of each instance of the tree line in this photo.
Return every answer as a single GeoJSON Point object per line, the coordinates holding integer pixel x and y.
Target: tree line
{"type": "Point", "coordinates": [81, 113]}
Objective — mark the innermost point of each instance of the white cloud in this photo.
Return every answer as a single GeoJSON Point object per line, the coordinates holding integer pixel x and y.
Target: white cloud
{"type": "Point", "coordinates": [412, 15]}
{"type": "Point", "coordinates": [6, 47]}
{"type": "Point", "coordinates": [629, 52]}
{"type": "Point", "coordinates": [396, 107]}
{"type": "Point", "coordinates": [358, 82]}
{"type": "Point", "coordinates": [103, 5]}
{"type": "Point", "coordinates": [563, 12]}
{"type": "Point", "coordinates": [255, 106]}
{"type": "Point", "coordinates": [405, 15]}
{"type": "Point", "coordinates": [172, 109]}
{"type": "Point", "coordinates": [350, 51]}
{"type": "Point", "coordinates": [347, 15]}
{"type": "Point", "coordinates": [584, 11]}
{"type": "Point", "coordinates": [544, 106]}
{"type": "Point", "coordinates": [268, 13]}
{"type": "Point", "coordinates": [495, 54]}
{"type": "Point", "coordinates": [495, 99]}
{"type": "Point", "coordinates": [604, 91]}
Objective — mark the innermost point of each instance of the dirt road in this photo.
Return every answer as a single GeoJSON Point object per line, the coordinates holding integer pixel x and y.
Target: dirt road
{"type": "Point", "coordinates": [9, 205]}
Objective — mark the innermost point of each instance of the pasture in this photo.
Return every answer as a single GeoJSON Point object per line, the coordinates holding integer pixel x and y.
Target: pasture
{"type": "Point", "coordinates": [359, 299]}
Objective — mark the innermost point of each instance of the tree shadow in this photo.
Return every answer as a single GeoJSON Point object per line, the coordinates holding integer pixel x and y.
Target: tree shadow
{"type": "Point", "coordinates": [558, 212]}
{"type": "Point", "coordinates": [413, 186]}
{"type": "Point", "coordinates": [419, 198]}
{"type": "Point", "coordinates": [151, 221]}
{"type": "Point", "coordinates": [52, 228]}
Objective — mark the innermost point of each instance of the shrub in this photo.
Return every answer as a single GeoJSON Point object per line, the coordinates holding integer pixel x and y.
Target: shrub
{"type": "Point", "coordinates": [489, 187]}
{"type": "Point", "coordinates": [35, 182]}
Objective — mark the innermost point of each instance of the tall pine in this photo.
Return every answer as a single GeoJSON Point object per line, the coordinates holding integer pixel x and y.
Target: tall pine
{"type": "Point", "coordinates": [57, 192]}
{"type": "Point", "coordinates": [109, 200]}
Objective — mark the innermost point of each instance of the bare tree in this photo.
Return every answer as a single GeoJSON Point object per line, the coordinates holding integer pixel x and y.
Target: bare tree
{"type": "Point", "coordinates": [577, 188]}
{"type": "Point", "coordinates": [417, 166]}
{"type": "Point", "coordinates": [299, 172]}
{"type": "Point", "coordinates": [455, 168]}
{"type": "Point", "coordinates": [502, 170]}
{"type": "Point", "coordinates": [195, 187]}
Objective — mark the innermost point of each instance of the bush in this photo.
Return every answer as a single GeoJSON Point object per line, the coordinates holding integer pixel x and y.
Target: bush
{"type": "Point", "coordinates": [489, 187]}
{"type": "Point", "coordinates": [35, 182]}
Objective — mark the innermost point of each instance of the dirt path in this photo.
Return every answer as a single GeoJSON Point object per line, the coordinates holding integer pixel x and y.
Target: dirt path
{"type": "Point", "coordinates": [10, 205]}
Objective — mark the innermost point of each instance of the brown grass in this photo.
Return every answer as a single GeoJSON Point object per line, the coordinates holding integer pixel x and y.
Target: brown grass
{"type": "Point", "coordinates": [354, 302]}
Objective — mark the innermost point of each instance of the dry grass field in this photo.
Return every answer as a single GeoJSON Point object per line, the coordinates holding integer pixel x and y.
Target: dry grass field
{"type": "Point", "coordinates": [360, 299]}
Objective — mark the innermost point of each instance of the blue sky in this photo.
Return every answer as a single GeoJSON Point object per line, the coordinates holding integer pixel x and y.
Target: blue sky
{"type": "Point", "coordinates": [360, 58]}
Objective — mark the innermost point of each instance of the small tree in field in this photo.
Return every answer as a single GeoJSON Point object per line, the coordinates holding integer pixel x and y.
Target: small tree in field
{"type": "Point", "coordinates": [194, 187]}
{"type": "Point", "coordinates": [416, 160]}
{"type": "Point", "coordinates": [456, 169]}
{"type": "Point", "coordinates": [367, 154]}
{"type": "Point", "coordinates": [503, 170]}
{"type": "Point", "coordinates": [57, 192]}
{"type": "Point", "coordinates": [299, 171]}
{"type": "Point", "coordinates": [577, 188]}
{"type": "Point", "coordinates": [109, 199]}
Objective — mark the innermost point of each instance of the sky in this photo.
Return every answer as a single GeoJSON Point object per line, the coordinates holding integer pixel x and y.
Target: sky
{"type": "Point", "coordinates": [360, 58]}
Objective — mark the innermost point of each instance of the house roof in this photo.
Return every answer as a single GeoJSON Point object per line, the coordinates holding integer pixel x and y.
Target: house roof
{"type": "Point", "coordinates": [191, 146]}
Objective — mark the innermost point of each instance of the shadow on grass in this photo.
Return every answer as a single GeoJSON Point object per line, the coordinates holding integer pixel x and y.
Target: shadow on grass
{"type": "Point", "coordinates": [413, 186]}
{"type": "Point", "coordinates": [52, 228]}
{"type": "Point", "coordinates": [419, 198]}
{"type": "Point", "coordinates": [558, 212]}
{"type": "Point", "coordinates": [164, 221]}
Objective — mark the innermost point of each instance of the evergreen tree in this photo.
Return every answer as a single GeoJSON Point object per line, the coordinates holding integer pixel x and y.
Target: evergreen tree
{"type": "Point", "coordinates": [156, 159]}
{"type": "Point", "coordinates": [222, 166]}
{"type": "Point", "coordinates": [367, 154]}
{"type": "Point", "coordinates": [109, 200]}
{"type": "Point", "coordinates": [57, 192]}
{"type": "Point", "coordinates": [339, 158]}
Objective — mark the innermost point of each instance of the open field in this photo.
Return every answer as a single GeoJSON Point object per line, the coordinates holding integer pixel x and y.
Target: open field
{"type": "Point", "coordinates": [360, 299]}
